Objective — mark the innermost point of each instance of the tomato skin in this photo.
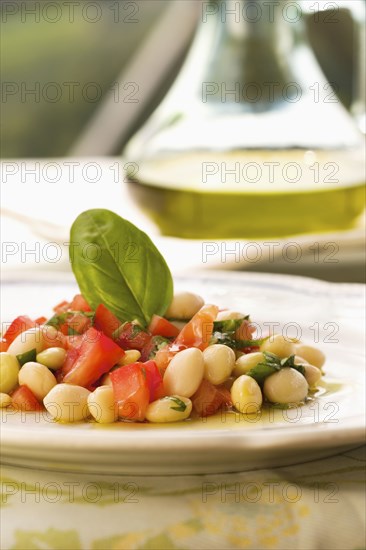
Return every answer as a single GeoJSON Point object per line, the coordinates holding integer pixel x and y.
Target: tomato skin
{"type": "Point", "coordinates": [94, 355]}
{"type": "Point", "coordinates": [53, 339]}
{"type": "Point", "coordinates": [154, 380]}
{"type": "Point", "coordinates": [209, 398]}
{"type": "Point", "coordinates": [162, 327]}
{"type": "Point", "coordinates": [245, 331]}
{"type": "Point", "coordinates": [73, 341]}
{"type": "Point", "coordinates": [23, 399]}
{"type": "Point", "coordinates": [250, 349]}
{"type": "Point", "coordinates": [4, 345]}
{"type": "Point", "coordinates": [78, 323]}
{"type": "Point", "coordinates": [106, 321]}
{"type": "Point", "coordinates": [226, 396]}
{"type": "Point", "coordinates": [131, 391]}
{"type": "Point", "coordinates": [79, 303]}
{"type": "Point", "coordinates": [40, 320]}
{"type": "Point", "coordinates": [198, 331]}
{"type": "Point", "coordinates": [19, 325]}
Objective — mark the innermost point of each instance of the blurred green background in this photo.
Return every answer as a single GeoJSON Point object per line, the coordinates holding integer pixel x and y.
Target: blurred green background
{"type": "Point", "coordinates": [71, 50]}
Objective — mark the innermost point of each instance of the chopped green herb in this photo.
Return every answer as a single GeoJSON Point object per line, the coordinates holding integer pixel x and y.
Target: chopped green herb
{"type": "Point", "coordinates": [228, 339]}
{"type": "Point", "coordinates": [59, 319]}
{"type": "Point", "coordinates": [272, 364]}
{"type": "Point", "coordinates": [72, 332]}
{"type": "Point", "coordinates": [230, 325]}
{"type": "Point", "coordinates": [30, 355]}
{"type": "Point", "coordinates": [290, 362]}
{"type": "Point", "coordinates": [136, 329]}
{"type": "Point", "coordinates": [158, 342]}
{"type": "Point", "coordinates": [181, 406]}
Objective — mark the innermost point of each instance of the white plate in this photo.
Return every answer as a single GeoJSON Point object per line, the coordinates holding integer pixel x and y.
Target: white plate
{"type": "Point", "coordinates": [329, 313]}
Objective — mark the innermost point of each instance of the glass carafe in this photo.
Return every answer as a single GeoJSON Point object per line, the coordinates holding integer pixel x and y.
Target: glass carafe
{"type": "Point", "coordinates": [251, 141]}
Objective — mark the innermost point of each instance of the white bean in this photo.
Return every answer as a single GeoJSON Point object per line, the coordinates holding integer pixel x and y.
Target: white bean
{"type": "Point", "coordinates": [312, 375]}
{"type": "Point", "coordinates": [38, 378]}
{"type": "Point", "coordinates": [314, 356]}
{"type": "Point", "coordinates": [286, 386]}
{"type": "Point", "coordinates": [219, 361]}
{"type": "Point", "coordinates": [247, 362]}
{"type": "Point", "coordinates": [184, 305]}
{"type": "Point", "coordinates": [228, 314]}
{"type": "Point", "coordinates": [279, 345]}
{"type": "Point", "coordinates": [184, 373]}
{"type": "Point", "coordinates": [9, 370]}
{"type": "Point", "coordinates": [5, 400]}
{"type": "Point", "coordinates": [27, 340]}
{"type": "Point", "coordinates": [37, 338]}
{"type": "Point", "coordinates": [67, 403]}
{"type": "Point", "coordinates": [246, 394]}
{"type": "Point", "coordinates": [300, 360]}
{"type": "Point", "coordinates": [169, 409]}
{"type": "Point", "coordinates": [102, 406]}
{"type": "Point", "coordinates": [53, 358]}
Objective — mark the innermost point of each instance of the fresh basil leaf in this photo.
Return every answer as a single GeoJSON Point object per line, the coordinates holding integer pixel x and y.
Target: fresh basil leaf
{"type": "Point", "coordinates": [181, 406]}
{"type": "Point", "coordinates": [27, 356]}
{"type": "Point", "coordinates": [118, 265]}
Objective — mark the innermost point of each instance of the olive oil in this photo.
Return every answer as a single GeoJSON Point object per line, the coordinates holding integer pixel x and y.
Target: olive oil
{"type": "Point", "coordinates": [251, 194]}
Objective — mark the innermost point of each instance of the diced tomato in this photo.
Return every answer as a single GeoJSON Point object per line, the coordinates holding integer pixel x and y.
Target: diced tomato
{"type": "Point", "coordinates": [226, 395]}
{"type": "Point", "coordinates": [72, 356]}
{"type": "Point", "coordinates": [131, 391]}
{"type": "Point", "coordinates": [53, 338]}
{"type": "Point", "coordinates": [80, 304]}
{"type": "Point", "coordinates": [96, 355]}
{"type": "Point", "coordinates": [162, 327]}
{"type": "Point", "coordinates": [78, 323]}
{"type": "Point", "coordinates": [106, 321]}
{"type": "Point", "coordinates": [19, 325]}
{"type": "Point", "coordinates": [62, 307]}
{"type": "Point", "coordinates": [245, 331]}
{"type": "Point", "coordinates": [198, 331]}
{"type": "Point", "coordinates": [3, 345]}
{"type": "Point", "coordinates": [154, 380]}
{"type": "Point", "coordinates": [132, 336]}
{"type": "Point", "coordinates": [40, 320]}
{"type": "Point", "coordinates": [24, 399]}
{"type": "Point", "coordinates": [209, 398]}
{"type": "Point", "coordinates": [73, 341]}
